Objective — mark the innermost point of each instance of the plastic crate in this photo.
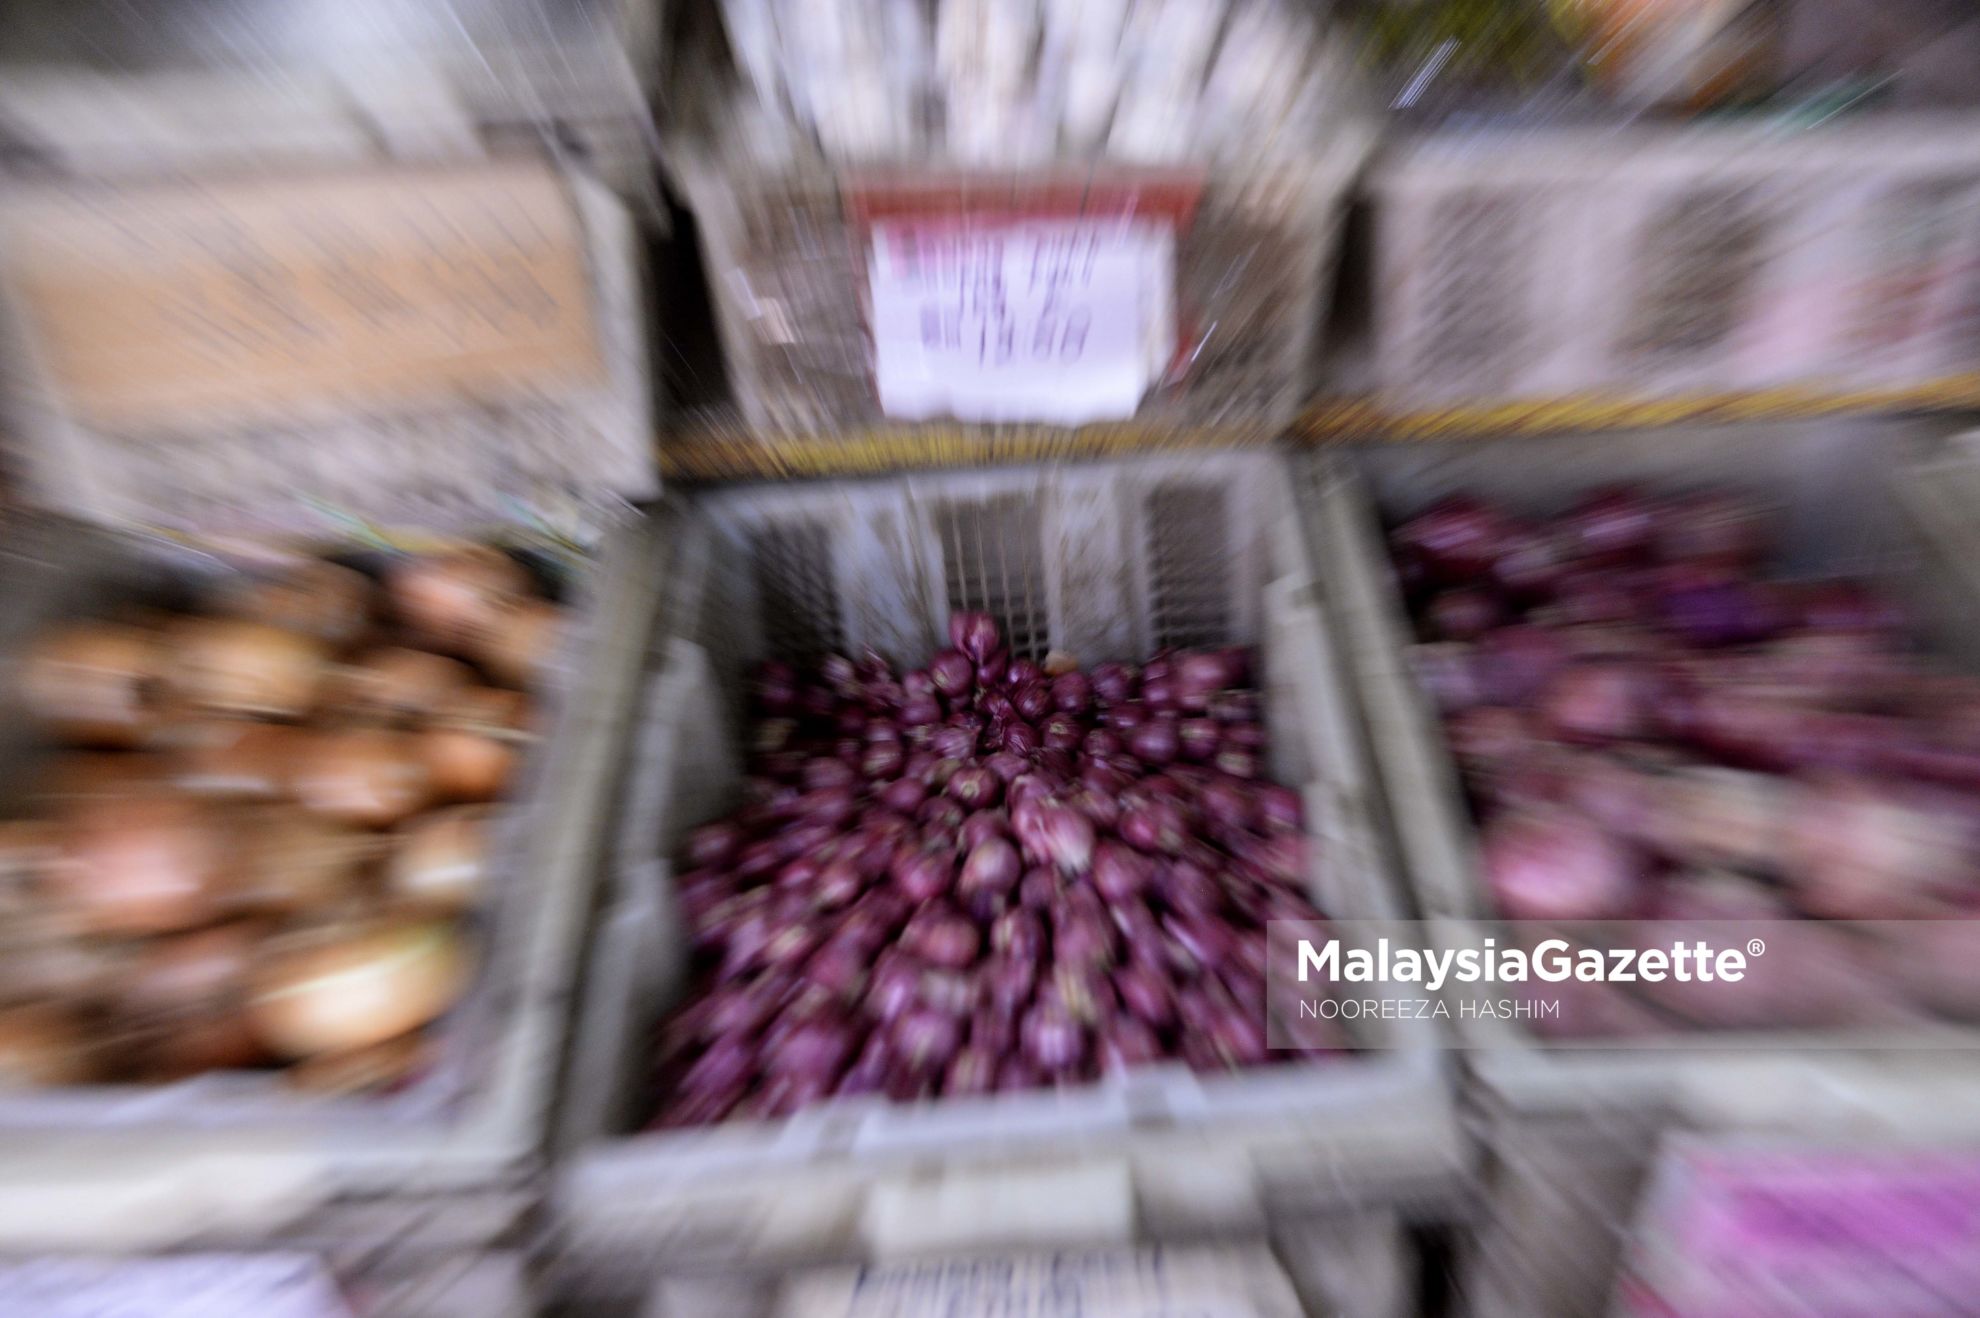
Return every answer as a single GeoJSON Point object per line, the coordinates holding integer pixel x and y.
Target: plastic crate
{"type": "Point", "coordinates": [1107, 560]}
{"type": "Point", "coordinates": [234, 1159]}
{"type": "Point", "coordinates": [99, 89]}
{"type": "Point", "coordinates": [1844, 510]}
{"type": "Point", "coordinates": [786, 254]}
{"type": "Point", "coordinates": [1362, 1267]}
{"type": "Point", "coordinates": [1646, 263]}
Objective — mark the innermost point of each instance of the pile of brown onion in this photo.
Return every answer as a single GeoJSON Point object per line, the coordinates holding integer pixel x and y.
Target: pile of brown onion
{"type": "Point", "coordinates": [984, 875]}
{"type": "Point", "coordinates": [1651, 725]}
{"type": "Point", "coordinates": [268, 826]}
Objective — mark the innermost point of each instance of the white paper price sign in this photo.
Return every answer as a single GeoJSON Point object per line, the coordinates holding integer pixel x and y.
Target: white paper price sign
{"type": "Point", "coordinates": [1061, 321]}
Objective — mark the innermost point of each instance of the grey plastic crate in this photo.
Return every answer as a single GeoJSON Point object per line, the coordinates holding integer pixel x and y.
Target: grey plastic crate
{"type": "Point", "coordinates": [231, 1158]}
{"type": "Point", "coordinates": [1847, 506]}
{"type": "Point", "coordinates": [1110, 560]}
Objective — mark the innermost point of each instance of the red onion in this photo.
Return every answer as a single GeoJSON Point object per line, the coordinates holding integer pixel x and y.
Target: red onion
{"type": "Point", "coordinates": [975, 789]}
{"type": "Point", "coordinates": [1018, 934]}
{"type": "Point", "coordinates": [992, 864]}
{"type": "Point", "coordinates": [1600, 701]}
{"type": "Point", "coordinates": [942, 830]}
{"type": "Point", "coordinates": [1848, 606]}
{"type": "Point", "coordinates": [1063, 837]}
{"type": "Point", "coordinates": [919, 711]}
{"type": "Point", "coordinates": [991, 668]}
{"type": "Point", "coordinates": [1125, 717]}
{"type": "Point", "coordinates": [925, 1039]}
{"type": "Point", "coordinates": [1052, 1039]}
{"type": "Point", "coordinates": [1081, 938]}
{"type": "Point", "coordinates": [1237, 762]}
{"type": "Point", "coordinates": [1157, 826]}
{"type": "Point", "coordinates": [1021, 673]}
{"type": "Point", "coordinates": [984, 825]}
{"type": "Point", "coordinates": [1126, 1043]}
{"type": "Point", "coordinates": [727, 1064]}
{"type": "Point", "coordinates": [1712, 613]}
{"type": "Point", "coordinates": [973, 1071]}
{"type": "Point", "coordinates": [904, 795]}
{"type": "Point", "coordinates": [1008, 982]}
{"type": "Point", "coordinates": [1201, 674]}
{"type": "Point", "coordinates": [1458, 536]}
{"type": "Point", "coordinates": [776, 688]}
{"type": "Point", "coordinates": [938, 772]}
{"type": "Point", "coordinates": [713, 845]}
{"type": "Point", "coordinates": [1020, 739]}
{"type": "Point", "coordinates": [921, 874]}
{"type": "Point", "coordinates": [974, 633]}
{"type": "Point", "coordinates": [941, 935]}
{"type": "Point", "coordinates": [1155, 742]}
{"type": "Point", "coordinates": [993, 1030]}
{"type": "Point", "coordinates": [1120, 874]}
{"type": "Point", "coordinates": [1072, 692]}
{"type": "Point", "coordinates": [1032, 702]}
{"type": "Point", "coordinates": [1084, 990]}
{"type": "Point", "coordinates": [1146, 995]}
{"type": "Point", "coordinates": [1448, 673]}
{"type": "Point", "coordinates": [1038, 889]}
{"type": "Point", "coordinates": [839, 883]}
{"type": "Point", "coordinates": [952, 673]}
{"type": "Point", "coordinates": [1197, 738]}
{"type": "Point", "coordinates": [996, 707]}
{"type": "Point", "coordinates": [1006, 765]}
{"type": "Point", "coordinates": [819, 1046]}
{"type": "Point", "coordinates": [894, 987]}
{"type": "Point", "coordinates": [869, 1071]}
{"type": "Point", "coordinates": [1553, 865]}
{"type": "Point", "coordinates": [1113, 683]}
{"type": "Point", "coordinates": [1612, 525]}
{"type": "Point", "coordinates": [1529, 562]}
{"type": "Point", "coordinates": [883, 759]}
{"type": "Point", "coordinates": [823, 771]}
{"type": "Point", "coordinates": [953, 743]}
{"type": "Point", "coordinates": [1015, 1073]}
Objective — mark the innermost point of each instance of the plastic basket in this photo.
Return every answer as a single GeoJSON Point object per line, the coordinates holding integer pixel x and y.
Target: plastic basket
{"type": "Point", "coordinates": [1843, 512]}
{"type": "Point", "coordinates": [233, 1159]}
{"type": "Point", "coordinates": [95, 90]}
{"type": "Point", "coordinates": [1661, 262]}
{"type": "Point", "coordinates": [1107, 560]}
{"type": "Point", "coordinates": [786, 257]}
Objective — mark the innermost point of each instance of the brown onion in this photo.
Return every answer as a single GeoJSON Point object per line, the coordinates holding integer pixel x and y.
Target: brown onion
{"type": "Point", "coordinates": [346, 986]}
{"type": "Point", "coordinates": [221, 1041]}
{"type": "Point", "coordinates": [365, 776]}
{"type": "Point", "coordinates": [296, 861]}
{"type": "Point", "coordinates": [42, 1045]}
{"type": "Point", "coordinates": [320, 599]}
{"type": "Point", "coordinates": [93, 683]}
{"type": "Point", "coordinates": [191, 973]}
{"type": "Point", "coordinates": [519, 641]}
{"type": "Point", "coordinates": [475, 741]}
{"type": "Point", "coordinates": [140, 865]}
{"type": "Point", "coordinates": [379, 1066]}
{"type": "Point", "coordinates": [236, 759]}
{"type": "Point", "coordinates": [449, 599]}
{"type": "Point", "coordinates": [82, 775]}
{"type": "Point", "coordinates": [441, 861]}
{"type": "Point", "coordinates": [234, 667]}
{"type": "Point", "coordinates": [399, 685]}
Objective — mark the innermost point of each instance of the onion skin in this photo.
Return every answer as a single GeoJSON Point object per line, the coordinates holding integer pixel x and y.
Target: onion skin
{"type": "Point", "coordinates": [91, 683]}
{"type": "Point", "coordinates": [519, 642]}
{"type": "Point", "coordinates": [440, 862]}
{"type": "Point", "coordinates": [382, 1066]}
{"type": "Point", "coordinates": [231, 759]}
{"type": "Point", "coordinates": [326, 601]}
{"type": "Point", "coordinates": [366, 777]}
{"type": "Point", "coordinates": [396, 685]}
{"type": "Point", "coordinates": [473, 743]}
{"type": "Point", "coordinates": [347, 987]}
{"type": "Point", "coordinates": [1554, 865]}
{"type": "Point", "coordinates": [296, 862]}
{"type": "Point", "coordinates": [451, 599]}
{"type": "Point", "coordinates": [43, 1046]}
{"type": "Point", "coordinates": [141, 865]}
{"type": "Point", "coordinates": [245, 668]}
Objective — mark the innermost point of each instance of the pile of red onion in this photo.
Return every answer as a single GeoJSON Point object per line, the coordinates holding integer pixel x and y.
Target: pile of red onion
{"type": "Point", "coordinates": [1649, 725]}
{"type": "Point", "coordinates": [983, 875]}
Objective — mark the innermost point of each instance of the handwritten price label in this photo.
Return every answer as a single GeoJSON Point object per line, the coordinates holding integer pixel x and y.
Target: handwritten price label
{"type": "Point", "coordinates": [1060, 321]}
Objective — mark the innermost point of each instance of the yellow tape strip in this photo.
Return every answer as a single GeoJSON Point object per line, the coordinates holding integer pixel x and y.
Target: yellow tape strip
{"type": "Point", "coordinates": [730, 452]}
